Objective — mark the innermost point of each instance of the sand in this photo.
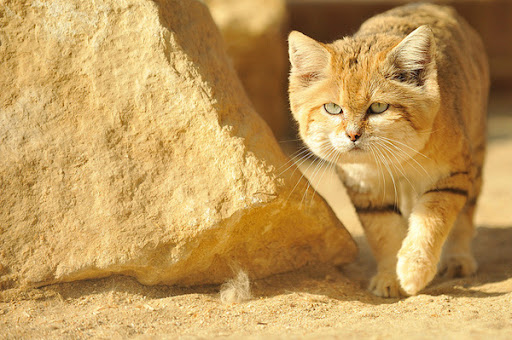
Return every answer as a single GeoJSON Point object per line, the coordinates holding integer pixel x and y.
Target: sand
{"type": "Point", "coordinates": [321, 302]}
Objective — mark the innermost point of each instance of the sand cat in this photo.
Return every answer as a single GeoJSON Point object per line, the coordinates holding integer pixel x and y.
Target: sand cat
{"type": "Point", "coordinates": [400, 107]}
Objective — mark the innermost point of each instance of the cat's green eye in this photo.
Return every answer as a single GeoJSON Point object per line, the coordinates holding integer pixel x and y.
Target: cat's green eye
{"type": "Point", "coordinates": [378, 108]}
{"type": "Point", "coordinates": [333, 109]}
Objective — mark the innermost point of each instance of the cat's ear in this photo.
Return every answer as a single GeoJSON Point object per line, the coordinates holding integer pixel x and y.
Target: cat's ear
{"type": "Point", "coordinates": [307, 56]}
{"type": "Point", "coordinates": [413, 59]}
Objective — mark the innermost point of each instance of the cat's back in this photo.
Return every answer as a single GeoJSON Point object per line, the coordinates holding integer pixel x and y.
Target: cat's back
{"type": "Point", "coordinates": [403, 20]}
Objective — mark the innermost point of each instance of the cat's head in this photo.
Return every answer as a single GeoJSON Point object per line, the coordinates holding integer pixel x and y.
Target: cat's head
{"type": "Point", "coordinates": [364, 97]}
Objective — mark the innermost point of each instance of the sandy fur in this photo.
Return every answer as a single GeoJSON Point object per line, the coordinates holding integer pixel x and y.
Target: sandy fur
{"type": "Point", "coordinates": [237, 289]}
{"type": "Point", "coordinates": [414, 175]}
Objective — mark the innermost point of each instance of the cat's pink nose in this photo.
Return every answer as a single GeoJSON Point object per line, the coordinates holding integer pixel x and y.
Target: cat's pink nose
{"type": "Point", "coordinates": [353, 135]}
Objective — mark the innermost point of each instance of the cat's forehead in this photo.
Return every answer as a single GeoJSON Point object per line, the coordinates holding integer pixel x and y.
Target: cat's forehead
{"type": "Point", "coordinates": [350, 50]}
{"type": "Point", "coordinates": [355, 69]}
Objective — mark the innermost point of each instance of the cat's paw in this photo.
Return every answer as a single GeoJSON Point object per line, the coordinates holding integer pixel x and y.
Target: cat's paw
{"type": "Point", "coordinates": [457, 265]}
{"type": "Point", "coordinates": [414, 269]}
{"type": "Point", "coordinates": [385, 284]}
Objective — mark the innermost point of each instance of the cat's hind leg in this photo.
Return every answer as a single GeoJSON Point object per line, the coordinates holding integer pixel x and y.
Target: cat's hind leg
{"type": "Point", "coordinates": [457, 259]}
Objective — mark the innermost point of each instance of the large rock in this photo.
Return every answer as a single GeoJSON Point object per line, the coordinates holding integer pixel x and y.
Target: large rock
{"type": "Point", "coordinates": [128, 146]}
{"type": "Point", "coordinates": [256, 43]}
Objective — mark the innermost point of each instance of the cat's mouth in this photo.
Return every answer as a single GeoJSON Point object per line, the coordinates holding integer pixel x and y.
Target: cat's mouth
{"type": "Point", "coordinates": [356, 148]}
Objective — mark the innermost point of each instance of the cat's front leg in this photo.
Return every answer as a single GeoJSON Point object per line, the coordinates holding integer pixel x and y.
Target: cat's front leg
{"type": "Point", "coordinates": [429, 225]}
{"type": "Point", "coordinates": [385, 230]}
{"type": "Point", "coordinates": [384, 226]}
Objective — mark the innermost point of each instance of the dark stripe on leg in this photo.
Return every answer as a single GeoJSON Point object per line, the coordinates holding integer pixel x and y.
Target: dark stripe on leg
{"type": "Point", "coordinates": [455, 191]}
{"type": "Point", "coordinates": [379, 210]}
{"type": "Point", "coordinates": [453, 174]}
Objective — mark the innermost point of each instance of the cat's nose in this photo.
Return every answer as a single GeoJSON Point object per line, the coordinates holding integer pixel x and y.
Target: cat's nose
{"type": "Point", "coordinates": [353, 135]}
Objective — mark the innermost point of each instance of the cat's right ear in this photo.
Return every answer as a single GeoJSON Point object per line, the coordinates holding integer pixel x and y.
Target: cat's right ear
{"type": "Point", "coordinates": [307, 56]}
{"type": "Point", "coordinates": [413, 59]}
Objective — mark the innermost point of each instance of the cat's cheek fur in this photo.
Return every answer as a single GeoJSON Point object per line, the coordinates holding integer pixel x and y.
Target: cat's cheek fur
{"type": "Point", "coordinates": [318, 142]}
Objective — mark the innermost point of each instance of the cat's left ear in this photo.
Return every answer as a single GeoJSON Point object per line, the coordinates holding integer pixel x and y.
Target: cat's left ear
{"type": "Point", "coordinates": [413, 59]}
{"type": "Point", "coordinates": [308, 57]}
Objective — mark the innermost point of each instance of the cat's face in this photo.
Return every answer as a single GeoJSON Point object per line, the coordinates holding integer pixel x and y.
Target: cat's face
{"type": "Point", "coordinates": [364, 99]}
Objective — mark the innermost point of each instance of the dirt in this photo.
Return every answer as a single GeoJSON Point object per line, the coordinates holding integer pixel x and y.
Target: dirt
{"type": "Point", "coordinates": [320, 302]}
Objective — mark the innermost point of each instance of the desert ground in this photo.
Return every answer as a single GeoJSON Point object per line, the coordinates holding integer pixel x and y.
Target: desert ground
{"type": "Point", "coordinates": [321, 302]}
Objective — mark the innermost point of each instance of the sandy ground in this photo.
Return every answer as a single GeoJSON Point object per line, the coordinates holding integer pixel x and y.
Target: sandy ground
{"type": "Point", "coordinates": [322, 302]}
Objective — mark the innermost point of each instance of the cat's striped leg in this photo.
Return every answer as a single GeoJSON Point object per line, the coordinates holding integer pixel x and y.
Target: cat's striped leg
{"type": "Point", "coordinates": [457, 259]}
{"type": "Point", "coordinates": [385, 230]}
{"type": "Point", "coordinates": [429, 225]}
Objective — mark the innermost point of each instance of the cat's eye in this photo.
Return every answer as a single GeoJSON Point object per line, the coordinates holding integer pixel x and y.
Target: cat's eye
{"type": "Point", "coordinates": [333, 109]}
{"type": "Point", "coordinates": [378, 108]}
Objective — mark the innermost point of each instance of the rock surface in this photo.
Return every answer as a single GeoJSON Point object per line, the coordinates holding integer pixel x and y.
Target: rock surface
{"type": "Point", "coordinates": [256, 43]}
{"type": "Point", "coordinates": [128, 146]}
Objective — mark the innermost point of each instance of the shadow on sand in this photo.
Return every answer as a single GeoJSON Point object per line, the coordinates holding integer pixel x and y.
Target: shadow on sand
{"type": "Point", "coordinates": [348, 283]}
{"type": "Point", "coordinates": [491, 248]}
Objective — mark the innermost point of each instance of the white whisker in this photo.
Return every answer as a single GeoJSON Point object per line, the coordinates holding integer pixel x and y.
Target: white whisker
{"type": "Point", "coordinates": [385, 161]}
{"type": "Point", "coordinates": [408, 158]}
{"type": "Point", "coordinates": [381, 172]}
{"type": "Point", "coordinates": [403, 144]}
{"type": "Point", "coordinates": [299, 163]}
{"type": "Point", "coordinates": [293, 159]}
{"type": "Point", "coordinates": [319, 166]}
{"type": "Point", "coordinates": [398, 166]}
{"type": "Point", "coordinates": [328, 164]}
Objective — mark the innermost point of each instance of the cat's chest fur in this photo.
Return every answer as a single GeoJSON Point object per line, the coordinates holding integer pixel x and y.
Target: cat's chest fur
{"type": "Point", "coordinates": [402, 183]}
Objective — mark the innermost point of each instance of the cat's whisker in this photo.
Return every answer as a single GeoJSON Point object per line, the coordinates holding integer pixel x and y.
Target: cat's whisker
{"type": "Point", "coordinates": [385, 163]}
{"type": "Point", "coordinates": [430, 131]}
{"type": "Point", "coordinates": [290, 141]}
{"type": "Point", "coordinates": [329, 164]}
{"type": "Point", "coordinates": [398, 164]}
{"type": "Point", "coordinates": [295, 187]}
{"type": "Point", "coordinates": [381, 171]}
{"type": "Point", "coordinates": [407, 158]}
{"type": "Point", "coordinates": [318, 168]}
{"type": "Point", "coordinates": [295, 154]}
{"type": "Point", "coordinates": [294, 159]}
{"type": "Point", "coordinates": [334, 164]}
{"type": "Point", "coordinates": [303, 160]}
{"type": "Point", "coordinates": [403, 144]}
{"type": "Point", "coordinates": [298, 164]}
{"type": "Point", "coordinates": [315, 164]}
